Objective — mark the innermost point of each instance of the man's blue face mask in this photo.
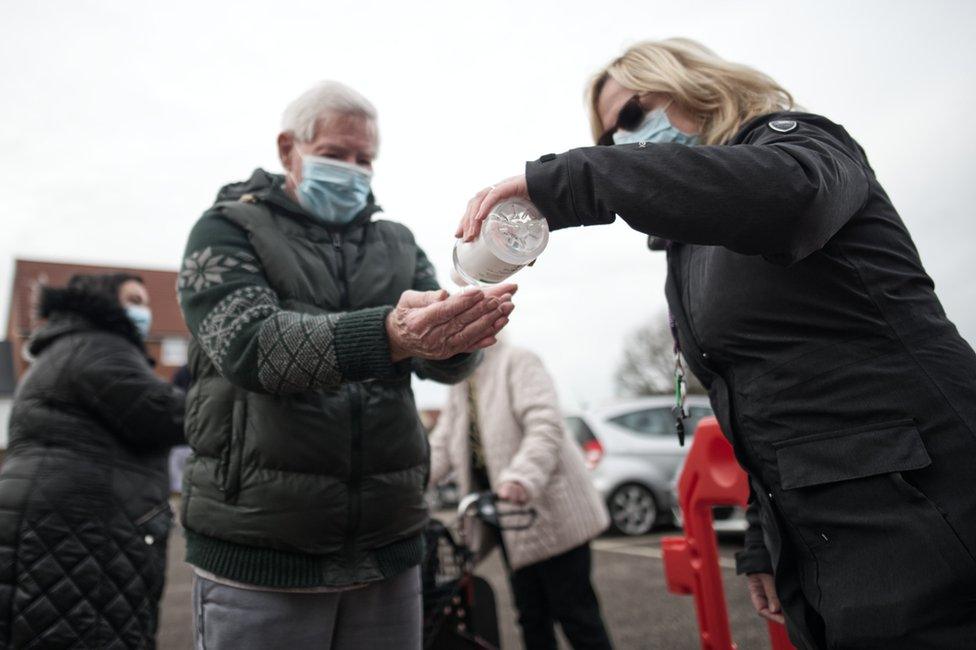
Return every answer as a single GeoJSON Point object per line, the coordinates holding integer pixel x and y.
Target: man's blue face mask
{"type": "Point", "coordinates": [657, 128]}
{"type": "Point", "coordinates": [332, 190]}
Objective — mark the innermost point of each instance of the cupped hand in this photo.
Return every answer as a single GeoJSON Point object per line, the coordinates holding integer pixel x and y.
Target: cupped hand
{"type": "Point", "coordinates": [437, 325]}
{"type": "Point", "coordinates": [762, 592]}
{"type": "Point", "coordinates": [482, 203]}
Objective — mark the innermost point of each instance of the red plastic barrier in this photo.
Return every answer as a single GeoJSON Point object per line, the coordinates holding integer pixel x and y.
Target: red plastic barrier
{"type": "Point", "coordinates": [711, 477]}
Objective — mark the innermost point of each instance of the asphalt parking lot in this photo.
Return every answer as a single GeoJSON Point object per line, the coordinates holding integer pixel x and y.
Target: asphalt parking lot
{"type": "Point", "coordinates": [628, 575]}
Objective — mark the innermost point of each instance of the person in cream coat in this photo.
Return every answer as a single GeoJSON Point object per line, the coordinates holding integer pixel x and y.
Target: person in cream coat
{"type": "Point", "coordinates": [502, 430]}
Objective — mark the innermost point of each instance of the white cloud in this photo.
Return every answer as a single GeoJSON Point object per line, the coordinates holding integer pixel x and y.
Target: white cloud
{"type": "Point", "coordinates": [119, 121]}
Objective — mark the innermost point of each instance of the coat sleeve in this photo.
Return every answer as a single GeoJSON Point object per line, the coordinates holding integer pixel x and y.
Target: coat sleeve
{"type": "Point", "coordinates": [114, 381]}
{"type": "Point", "coordinates": [754, 558]}
{"type": "Point", "coordinates": [781, 195]}
{"type": "Point", "coordinates": [535, 407]}
{"type": "Point", "coordinates": [440, 443]}
{"type": "Point", "coordinates": [261, 344]}
{"type": "Point", "coordinates": [443, 371]}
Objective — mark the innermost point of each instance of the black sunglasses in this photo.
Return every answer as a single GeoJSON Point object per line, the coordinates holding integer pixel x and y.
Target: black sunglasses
{"type": "Point", "coordinates": [631, 116]}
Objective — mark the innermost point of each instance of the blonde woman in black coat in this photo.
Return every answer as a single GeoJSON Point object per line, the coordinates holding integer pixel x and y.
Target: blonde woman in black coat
{"type": "Point", "coordinates": [800, 301]}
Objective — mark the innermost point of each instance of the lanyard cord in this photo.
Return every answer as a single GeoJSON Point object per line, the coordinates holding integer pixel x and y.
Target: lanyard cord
{"type": "Point", "coordinates": [680, 386]}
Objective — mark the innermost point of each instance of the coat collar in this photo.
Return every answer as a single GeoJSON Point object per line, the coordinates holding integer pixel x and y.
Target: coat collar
{"type": "Point", "coordinates": [269, 188]}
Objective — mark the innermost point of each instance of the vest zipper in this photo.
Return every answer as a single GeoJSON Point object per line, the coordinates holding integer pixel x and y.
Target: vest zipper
{"type": "Point", "coordinates": [354, 511]}
{"type": "Point", "coordinates": [341, 264]}
{"type": "Point", "coordinates": [235, 456]}
{"type": "Point", "coordinates": [355, 468]}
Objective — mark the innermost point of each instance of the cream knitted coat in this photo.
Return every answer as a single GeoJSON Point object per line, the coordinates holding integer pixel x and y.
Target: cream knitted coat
{"type": "Point", "coordinates": [524, 440]}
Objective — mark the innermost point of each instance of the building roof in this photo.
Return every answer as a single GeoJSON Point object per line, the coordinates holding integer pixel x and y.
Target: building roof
{"type": "Point", "coordinates": [30, 274]}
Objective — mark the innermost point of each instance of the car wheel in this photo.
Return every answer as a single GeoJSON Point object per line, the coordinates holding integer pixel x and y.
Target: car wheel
{"type": "Point", "coordinates": [633, 509]}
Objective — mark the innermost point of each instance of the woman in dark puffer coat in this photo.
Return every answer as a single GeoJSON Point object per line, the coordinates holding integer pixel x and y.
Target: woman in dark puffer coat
{"type": "Point", "coordinates": [84, 510]}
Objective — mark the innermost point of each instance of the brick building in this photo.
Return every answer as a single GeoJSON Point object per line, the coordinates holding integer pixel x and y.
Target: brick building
{"type": "Point", "coordinates": [168, 337]}
{"type": "Point", "coordinates": [7, 385]}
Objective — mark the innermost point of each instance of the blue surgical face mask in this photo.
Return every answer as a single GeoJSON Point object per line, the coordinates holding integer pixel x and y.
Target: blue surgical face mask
{"type": "Point", "coordinates": [332, 190]}
{"type": "Point", "coordinates": [141, 317]}
{"type": "Point", "coordinates": [656, 128]}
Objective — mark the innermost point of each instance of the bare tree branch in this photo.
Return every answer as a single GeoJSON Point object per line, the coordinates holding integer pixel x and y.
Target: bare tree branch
{"type": "Point", "coordinates": [648, 364]}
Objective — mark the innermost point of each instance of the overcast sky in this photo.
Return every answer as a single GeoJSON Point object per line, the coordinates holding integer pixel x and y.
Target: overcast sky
{"type": "Point", "coordinates": [120, 120]}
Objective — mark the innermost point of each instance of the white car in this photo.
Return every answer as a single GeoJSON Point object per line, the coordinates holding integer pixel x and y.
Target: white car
{"type": "Point", "coordinates": [632, 452]}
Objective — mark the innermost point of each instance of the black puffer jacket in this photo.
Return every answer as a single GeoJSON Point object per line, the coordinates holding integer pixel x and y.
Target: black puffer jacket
{"type": "Point", "coordinates": [83, 492]}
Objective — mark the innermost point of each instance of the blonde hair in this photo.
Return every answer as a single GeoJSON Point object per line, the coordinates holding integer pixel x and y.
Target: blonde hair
{"type": "Point", "coordinates": [724, 95]}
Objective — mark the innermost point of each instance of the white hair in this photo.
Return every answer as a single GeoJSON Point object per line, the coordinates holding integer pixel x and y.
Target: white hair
{"type": "Point", "coordinates": [316, 103]}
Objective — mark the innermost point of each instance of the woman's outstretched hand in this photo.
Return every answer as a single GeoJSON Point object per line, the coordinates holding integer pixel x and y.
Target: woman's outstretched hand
{"type": "Point", "coordinates": [481, 204]}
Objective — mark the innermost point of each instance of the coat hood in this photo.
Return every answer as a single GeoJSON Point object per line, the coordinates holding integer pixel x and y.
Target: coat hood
{"type": "Point", "coordinates": [69, 310]}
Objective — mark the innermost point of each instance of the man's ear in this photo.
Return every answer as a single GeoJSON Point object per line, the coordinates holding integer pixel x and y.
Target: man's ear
{"type": "Point", "coordinates": [286, 144]}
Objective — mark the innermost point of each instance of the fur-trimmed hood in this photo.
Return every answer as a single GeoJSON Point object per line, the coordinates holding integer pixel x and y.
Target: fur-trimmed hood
{"type": "Point", "coordinates": [68, 310]}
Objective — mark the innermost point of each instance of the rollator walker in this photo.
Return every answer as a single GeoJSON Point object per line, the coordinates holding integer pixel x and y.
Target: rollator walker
{"type": "Point", "coordinates": [459, 606]}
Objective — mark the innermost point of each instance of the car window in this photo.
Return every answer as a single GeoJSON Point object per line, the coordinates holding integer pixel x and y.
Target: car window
{"type": "Point", "coordinates": [649, 422]}
{"type": "Point", "coordinates": [659, 421]}
{"type": "Point", "coordinates": [579, 429]}
{"type": "Point", "coordinates": [696, 413]}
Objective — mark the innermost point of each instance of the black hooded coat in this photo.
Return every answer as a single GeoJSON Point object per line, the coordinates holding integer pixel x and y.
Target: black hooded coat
{"type": "Point", "coordinates": [800, 301]}
{"type": "Point", "coordinates": [84, 510]}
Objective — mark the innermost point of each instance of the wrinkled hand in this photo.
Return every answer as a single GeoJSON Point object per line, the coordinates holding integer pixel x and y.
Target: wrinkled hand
{"type": "Point", "coordinates": [483, 201]}
{"type": "Point", "coordinates": [513, 492]}
{"type": "Point", "coordinates": [437, 325]}
{"type": "Point", "coordinates": [762, 592]}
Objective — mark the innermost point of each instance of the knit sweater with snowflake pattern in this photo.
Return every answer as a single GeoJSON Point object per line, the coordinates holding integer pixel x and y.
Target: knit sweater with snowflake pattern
{"type": "Point", "coordinates": [309, 459]}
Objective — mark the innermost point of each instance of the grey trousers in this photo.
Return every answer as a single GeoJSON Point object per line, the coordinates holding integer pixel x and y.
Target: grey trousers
{"type": "Point", "coordinates": [381, 616]}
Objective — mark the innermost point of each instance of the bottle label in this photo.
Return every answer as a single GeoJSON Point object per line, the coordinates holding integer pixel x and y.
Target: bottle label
{"type": "Point", "coordinates": [475, 261]}
{"type": "Point", "coordinates": [495, 273]}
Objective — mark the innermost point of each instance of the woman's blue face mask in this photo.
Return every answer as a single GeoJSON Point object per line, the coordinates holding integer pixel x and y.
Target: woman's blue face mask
{"type": "Point", "coordinates": [332, 190]}
{"type": "Point", "coordinates": [141, 317]}
{"type": "Point", "coordinates": [656, 128]}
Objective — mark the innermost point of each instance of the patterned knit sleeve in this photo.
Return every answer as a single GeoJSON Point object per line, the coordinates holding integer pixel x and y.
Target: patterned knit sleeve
{"type": "Point", "coordinates": [446, 371]}
{"type": "Point", "coordinates": [238, 320]}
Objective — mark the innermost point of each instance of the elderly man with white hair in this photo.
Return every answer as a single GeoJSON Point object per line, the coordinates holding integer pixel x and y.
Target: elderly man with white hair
{"type": "Point", "coordinates": [303, 499]}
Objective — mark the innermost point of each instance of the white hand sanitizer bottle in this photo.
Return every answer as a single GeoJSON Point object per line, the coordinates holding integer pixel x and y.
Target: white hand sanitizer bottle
{"type": "Point", "coordinates": [512, 236]}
